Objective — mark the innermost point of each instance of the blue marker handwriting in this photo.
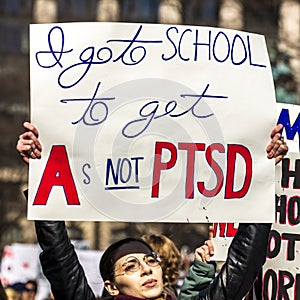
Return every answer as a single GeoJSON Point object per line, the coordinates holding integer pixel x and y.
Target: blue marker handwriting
{"type": "Point", "coordinates": [88, 117]}
{"type": "Point", "coordinates": [148, 113]}
{"type": "Point", "coordinates": [216, 46]}
{"type": "Point", "coordinates": [170, 109]}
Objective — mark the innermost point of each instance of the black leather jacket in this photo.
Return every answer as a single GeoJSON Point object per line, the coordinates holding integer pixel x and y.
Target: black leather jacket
{"type": "Point", "coordinates": [246, 256]}
{"type": "Point", "coordinates": [60, 264]}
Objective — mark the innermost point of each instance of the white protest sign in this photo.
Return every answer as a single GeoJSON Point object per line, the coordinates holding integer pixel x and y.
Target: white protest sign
{"type": "Point", "coordinates": [280, 278]}
{"type": "Point", "coordinates": [148, 122]}
{"type": "Point", "coordinates": [20, 262]}
{"type": "Point", "coordinates": [281, 273]}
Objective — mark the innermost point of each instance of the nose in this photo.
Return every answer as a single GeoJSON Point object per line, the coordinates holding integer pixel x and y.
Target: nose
{"type": "Point", "coordinates": [145, 269]}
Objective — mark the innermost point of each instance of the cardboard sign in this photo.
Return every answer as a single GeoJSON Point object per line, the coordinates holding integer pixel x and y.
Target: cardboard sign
{"type": "Point", "coordinates": [144, 122]}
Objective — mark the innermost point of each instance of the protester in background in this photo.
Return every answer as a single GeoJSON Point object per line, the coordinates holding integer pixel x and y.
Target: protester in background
{"type": "Point", "coordinates": [30, 290]}
{"type": "Point", "coordinates": [14, 291]}
{"type": "Point", "coordinates": [170, 260]}
{"type": "Point", "coordinates": [128, 268]}
{"type": "Point", "coordinates": [12, 294]}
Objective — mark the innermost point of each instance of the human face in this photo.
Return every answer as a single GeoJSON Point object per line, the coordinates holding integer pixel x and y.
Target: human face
{"type": "Point", "coordinates": [146, 282]}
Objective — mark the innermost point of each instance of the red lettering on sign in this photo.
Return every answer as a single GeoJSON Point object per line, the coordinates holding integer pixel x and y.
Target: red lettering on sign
{"type": "Point", "coordinates": [216, 168]}
{"type": "Point", "coordinates": [190, 166]}
{"type": "Point", "coordinates": [159, 165]}
{"type": "Point", "coordinates": [191, 148]}
{"type": "Point", "coordinates": [57, 173]}
{"type": "Point", "coordinates": [232, 152]}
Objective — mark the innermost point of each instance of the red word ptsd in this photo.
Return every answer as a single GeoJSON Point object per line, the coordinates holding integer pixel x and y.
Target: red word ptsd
{"type": "Point", "coordinates": [233, 151]}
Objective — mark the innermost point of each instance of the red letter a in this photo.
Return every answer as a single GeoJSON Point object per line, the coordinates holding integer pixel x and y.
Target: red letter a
{"type": "Point", "coordinates": [57, 173]}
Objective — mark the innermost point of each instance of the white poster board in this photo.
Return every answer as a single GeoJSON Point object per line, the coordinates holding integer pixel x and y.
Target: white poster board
{"type": "Point", "coordinates": [148, 122]}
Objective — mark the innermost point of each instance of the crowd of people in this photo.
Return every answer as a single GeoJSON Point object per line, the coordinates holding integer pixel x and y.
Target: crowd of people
{"type": "Point", "coordinates": [141, 268]}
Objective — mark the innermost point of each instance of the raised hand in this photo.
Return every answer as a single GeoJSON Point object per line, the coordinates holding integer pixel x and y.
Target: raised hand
{"type": "Point", "coordinates": [277, 148]}
{"type": "Point", "coordinates": [28, 144]}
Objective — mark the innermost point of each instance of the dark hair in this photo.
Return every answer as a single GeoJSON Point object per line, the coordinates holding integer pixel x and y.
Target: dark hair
{"type": "Point", "coordinates": [118, 250]}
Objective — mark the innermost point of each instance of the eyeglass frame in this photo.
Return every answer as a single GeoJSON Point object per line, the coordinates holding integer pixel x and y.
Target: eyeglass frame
{"type": "Point", "coordinates": [152, 254]}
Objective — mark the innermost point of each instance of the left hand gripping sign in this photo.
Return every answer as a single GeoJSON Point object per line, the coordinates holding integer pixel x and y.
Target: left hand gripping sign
{"type": "Point", "coordinates": [144, 122]}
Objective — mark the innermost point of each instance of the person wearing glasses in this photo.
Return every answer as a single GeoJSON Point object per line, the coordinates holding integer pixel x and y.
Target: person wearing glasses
{"type": "Point", "coordinates": [130, 269]}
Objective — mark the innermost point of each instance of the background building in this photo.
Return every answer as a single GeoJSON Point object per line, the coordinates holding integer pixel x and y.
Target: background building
{"type": "Point", "coordinates": [278, 20]}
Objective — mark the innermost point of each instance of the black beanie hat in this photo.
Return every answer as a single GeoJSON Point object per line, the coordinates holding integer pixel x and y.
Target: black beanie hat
{"type": "Point", "coordinates": [118, 250]}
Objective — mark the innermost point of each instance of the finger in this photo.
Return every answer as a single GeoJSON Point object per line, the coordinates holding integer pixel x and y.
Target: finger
{"type": "Point", "coordinates": [275, 130]}
{"type": "Point", "coordinates": [27, 146]}
{"type": "Point", "coordinates": [32, 134]}
{"type": "Point", "coordinates": [25, 151]}
{"type": "Point", "coordinates": [274, 143]}
{"type": "Point", "coordinates": [274, 135]}
{"type": "Point", "coordinates": [24, 157]}
{"type": "Point", "coordinates": [278, 148]}
{"type": "Point", "coordinates": [31, 127]}
{"type": "Point", "coordinates": [281, 152]}
{"type": "Point", "coordinates": [34, 141]}
{"type": "Point", "coordinates": [202, 254]}
{"type": "Point", "coordinates": [23, 146]}
{"type": "Point", "coordinates": [209, 242]}
{"type": "Point", "coordinates": [210, 232]}
{"type": "Point", "coordinates": [278, 159]}
{"type": "Point", "coordinates": [281, 148]}
{"type": "Point", "coordinates": [210, 247]}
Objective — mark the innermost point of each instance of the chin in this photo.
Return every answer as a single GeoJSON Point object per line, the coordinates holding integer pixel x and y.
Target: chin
{"type": "Point", "coordinates": [153, 293]}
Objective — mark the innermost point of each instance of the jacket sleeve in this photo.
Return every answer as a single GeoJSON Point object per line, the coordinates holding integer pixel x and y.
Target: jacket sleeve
{"type": "Point", "coordinates": [60, 263]}
{"type": "Point", "coordinates": [199, 276]}
{"type": "Point", "coordinates": [246, 256]}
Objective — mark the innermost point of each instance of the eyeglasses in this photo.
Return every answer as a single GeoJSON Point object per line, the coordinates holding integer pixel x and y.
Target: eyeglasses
{"type": "Point", "coordinates": [133, 264]}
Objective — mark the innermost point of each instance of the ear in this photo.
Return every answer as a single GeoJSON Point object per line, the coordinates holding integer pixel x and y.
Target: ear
{"type": "Point", "coordinates": [111, 288]}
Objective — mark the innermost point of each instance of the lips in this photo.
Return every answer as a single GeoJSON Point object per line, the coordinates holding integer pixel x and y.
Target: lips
{"type": "Point", "coordinates": [150, 283]}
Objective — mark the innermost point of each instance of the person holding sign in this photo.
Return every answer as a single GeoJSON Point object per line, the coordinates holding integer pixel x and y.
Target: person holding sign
{"type": "Point", "coordinates": [130, 269]}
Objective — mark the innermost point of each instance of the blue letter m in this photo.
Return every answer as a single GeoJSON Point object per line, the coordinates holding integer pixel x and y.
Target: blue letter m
{"type": "Point", "coordinates": [290, 130]}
